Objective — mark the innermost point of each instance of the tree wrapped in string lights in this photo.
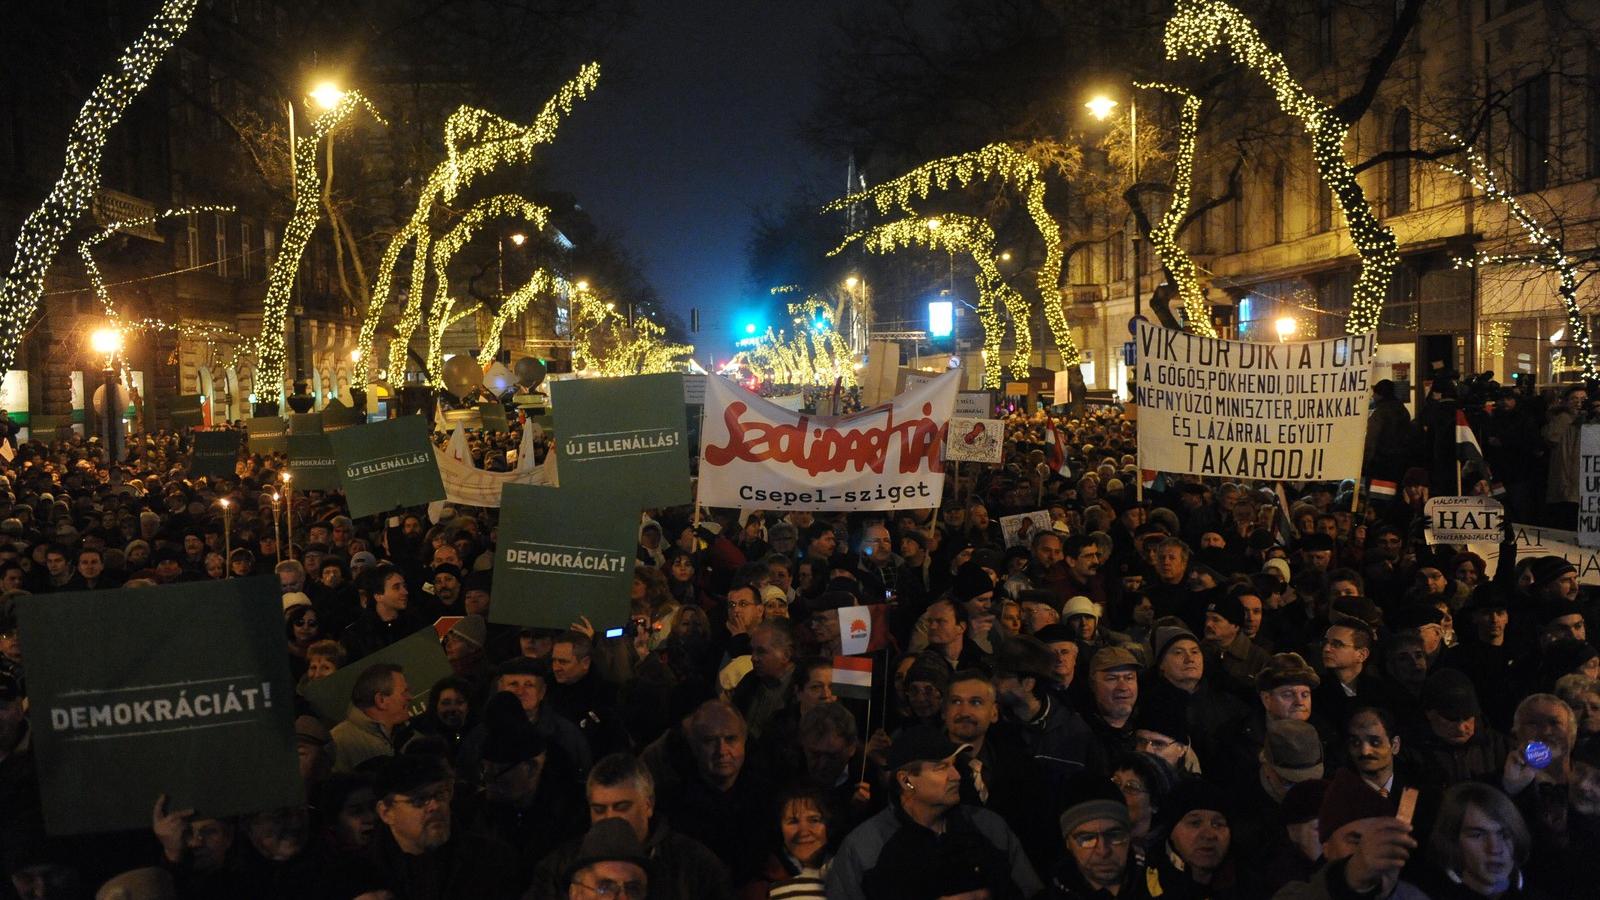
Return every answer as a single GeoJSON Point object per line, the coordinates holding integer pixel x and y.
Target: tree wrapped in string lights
{"type": "Point", "coordinates": [817, 355]}
{"type": "Point", "coordinates": [513, 305]}
{"type": "Point", "coordinates": [1197, 28]}
{"type": "Point", "coordinates": [296, 236]}
{"type": "Point", "coordinates": [1545, 250]}
{"type": "Point", "coordinates": [604, 343]}
{"type": "Point", "coordinates": [42, 232]}
{"type": "Point", "coordinates": [439, 312]}
{"type": "Point", "coordinates": [1013, 170]}
{"type": "Point", "coordinates": [477, 142]}
{"type": "Point", "coordinates": [1164, 234]}
{"type": "Point", "coordinates": [972, 236]}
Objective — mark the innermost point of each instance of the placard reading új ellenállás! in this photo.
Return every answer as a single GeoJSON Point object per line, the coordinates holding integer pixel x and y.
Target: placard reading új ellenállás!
{"type": "Point", "coordinates": [624, 432]}
{"type": "Point", "coordinates": [1280, 412]}
{"type": "Point", "coordinates": [418, 655]}
{"type": "Point", "coordinates": [1461, 520]}
{"type": "Point", "coordinates": [215, 453]}
{"type": "Point", "coordinates": [755, 455]}
{"type": "Point", "coordinates": [1589, 486]}
{"type": "Point", "coordinates": [181, 690]}
{"type": "Point", "coordinates": [311, 460]}
{"type": "Point", "coordinates": [975, 440]}
{"type": "Point", "coordinates": [387, 464]}
{"type": "Point", "coordinates": [564, 553]}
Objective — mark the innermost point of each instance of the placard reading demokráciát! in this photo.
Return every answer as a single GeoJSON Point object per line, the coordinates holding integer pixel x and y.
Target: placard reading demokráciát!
{"type": "Point", "coordinates": [564, 553]}
{"type": "Point", "coordinates": [268, 434]}
{"type": "Point", "coordinates": [1462, 520]}
{"type": "Point", "coordinates": [181, 690]}
{"type": "Point", "coordinates": [387, 464]}
{"type": "Point", "coordinates": [1279, 412]}
{"type": "Point", "coordinates": [311, 460]}
{"type": "Point", "coordinates": [624, 433]}
{"type": "Point", "coordinates": [215, 453]}
{"type": "Point", "coordinates": [419, 655]}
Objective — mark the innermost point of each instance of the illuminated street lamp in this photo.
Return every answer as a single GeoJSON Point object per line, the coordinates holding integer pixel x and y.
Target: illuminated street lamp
{"type": "Point", "coordinates": [107, 342]}
{"type": "Point", "coordinates": [581, 285]}
{"type": "Point", "coordinates": [1286, 326]}
{"type": "Point", "coordinates": [326, 95]}
{"type": "Point", "coordinates": [851, 282]}
{"type": "Point", "coordinates": [1100, 106]}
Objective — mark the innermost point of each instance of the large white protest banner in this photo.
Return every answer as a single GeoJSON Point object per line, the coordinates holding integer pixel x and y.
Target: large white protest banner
{"type": "Point", "coordinates": [1281, 412]}
{"type": "Point", "coordinates": [1535, 541]}
{"type": "Point", "coordinates": [756, 454]}
{"type": "Point", "coordinates": [1464, 520]}
{"type": "Point", "coordinates": [1589, 486]}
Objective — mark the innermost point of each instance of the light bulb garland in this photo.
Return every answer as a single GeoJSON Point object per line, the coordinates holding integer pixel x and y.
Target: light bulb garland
{"type": "Point", "coordinates": [1547, 251]}
{"type": "Point", "coordinates": [269, 343]}
{"type": "Point", "coordinates": [816, 356]}
{"type": "Point", "coordinates": [602, 342]}
{"type": "Point", "coordinates": [1198, 27]}
{"type": "Point", "coordinates": [1164, 234]}
{"type": "Point", "coordinates": [512, 307]}
{"type": "Point", "coordinates": [973, 236]}
{"type": "Point", "coordinates": [480, 213]}
{"type": "Point", "coordinates": [1014, 170]}
{"type": "Point", "coordinates": [41, 234]}
{"type": "Point", "coordinates": [210, 335]}
{"type": "Point", "coordinates": [476, 142]}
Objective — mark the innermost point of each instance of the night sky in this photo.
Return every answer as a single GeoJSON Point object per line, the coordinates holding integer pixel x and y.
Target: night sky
{"type": "Point", "coordinates": [695, 125]}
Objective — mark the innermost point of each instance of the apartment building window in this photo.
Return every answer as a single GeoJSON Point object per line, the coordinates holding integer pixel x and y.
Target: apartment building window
{"type": "Point", "coordinates": [269, 249]}
{"type": "Point", "coordinates": [1236, 222]}
{"type": "Point", "coordinates": [1400, 169]}
{"type": "Point", "coordinates": [244, 248]}
{"type": "Point", "coordinates": [193, 239]}
{"type": "Point", "coordinates": [1324, 205]}
{"type": "Point", "coordinates": [1280, 197]}
{"type": "Point", "coordinates": [221, 233]}
{"type": "Point", "coordinates": [1530, 133]}
{"type": "Point", "coordinates": [1118, 269]}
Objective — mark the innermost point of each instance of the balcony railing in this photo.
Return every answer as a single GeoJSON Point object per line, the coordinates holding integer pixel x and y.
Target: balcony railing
{"type": "Point", "coordinates": [111, 207]}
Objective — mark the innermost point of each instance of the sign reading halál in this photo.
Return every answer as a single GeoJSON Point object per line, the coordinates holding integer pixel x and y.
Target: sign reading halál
{"type": "Point", "coordinates": [1281, 412]}
{"type": "Point", "coordinates": [756, 455]}
{"type": "Point", "coordinates": [387, 464]}
{"type": "Point", "coordinates": [1589, 486]}
{"type": "Point", "coordinates": [564, 553]}
{"type": "Point", "coordinates": [181, 690]}
{"type": "Point", "coordinates": [625, 432]}
{"type": "Point", "coordinates": [1461, 520]}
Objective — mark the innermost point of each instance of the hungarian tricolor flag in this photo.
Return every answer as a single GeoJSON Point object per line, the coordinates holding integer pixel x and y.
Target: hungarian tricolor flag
{"type": "Point", "coordinates": [1467, 448]}
{"type": "Point", "coordinates": [1377, 487]}
{"type": "Point", "coordinates": [1054, 450]}
{"type": "Point", "coordinates": [863, 629]}
{"type": "Point", "coordinates": [852, 677]}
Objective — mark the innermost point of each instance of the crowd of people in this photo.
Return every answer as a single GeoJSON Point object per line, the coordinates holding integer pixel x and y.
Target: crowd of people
{"type": "Point", "coordinates": [1206, 690]}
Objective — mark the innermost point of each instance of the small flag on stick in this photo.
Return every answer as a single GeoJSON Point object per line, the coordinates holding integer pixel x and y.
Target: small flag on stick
{"type": "Point", "coordinates": [852, 677]}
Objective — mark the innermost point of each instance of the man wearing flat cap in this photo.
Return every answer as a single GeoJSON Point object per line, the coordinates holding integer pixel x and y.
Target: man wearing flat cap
{"type": "Point", "coordinates": [417, 853]}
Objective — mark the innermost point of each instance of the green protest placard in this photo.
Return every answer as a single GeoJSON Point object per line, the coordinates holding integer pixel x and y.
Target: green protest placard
{"type": "Point", "coordinates": [564, 553]}
{"type": "Point", "coordinates": [187, 411]}
{"type": "Point", "coordinates": [387, 464]}
{"type": "Point", "coordinates": [336, 416]}
{"type": "Point", "coordinates": [624, 432]}
{"type": "Point", "coordinates": [311, 460]}
{"type": "Point", "coordinates": [305, 423]}
{"type": "Point", "coordinates": [181, 690]}
{"type": "Point", "coordinates": [215, 453]}
{"type": "Point", "coordinates": [268, 434]}
{"type": "Point", "coordinates": [494, 417]}
{"type": "Point", "coordinates": [420, 655]}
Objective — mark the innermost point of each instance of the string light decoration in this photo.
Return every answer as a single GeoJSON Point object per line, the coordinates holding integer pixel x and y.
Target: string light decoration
{"type": "Point", "coordinates": [1546, 253]}
{"type": "Point", "coordinates": [973, 236]}
{"type": "Point", "coordinates": [512, 307]}
{"type": "Point", "coordinates": [500, 206]}
{"type": "Point", "coordinates": [45, 228]}
{"type": "Point", "coordinates": [817, 354]}
{"type": "Point", "coordinates": [1164, 234]}
{"type": "Point", "coordinates": [210, 335]}
{"type": "Point", "coordinates": [1198, 27]}
{"type": "Point", "coordinates": [476, 142]}
{"type": "Point", "coordinates": [1494, 339]}
{"type": "Point", "coordinates": [269, 344]}
{"type": "Point", "coordinates": [603, 343]}
{"type": "Point", "coordinates": [1013, 170]}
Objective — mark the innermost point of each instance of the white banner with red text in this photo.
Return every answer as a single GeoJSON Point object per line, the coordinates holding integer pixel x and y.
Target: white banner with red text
{"type": "Point", "coordinates": [755, 454]}
{"type": "Point", "coordinates": [1236, 409]}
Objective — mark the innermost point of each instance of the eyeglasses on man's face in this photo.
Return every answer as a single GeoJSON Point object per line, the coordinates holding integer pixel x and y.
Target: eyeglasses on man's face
{"type": "Point", "coordinates": [1089, 840]}
{"type": "Point", "coordinates": [605, 887]}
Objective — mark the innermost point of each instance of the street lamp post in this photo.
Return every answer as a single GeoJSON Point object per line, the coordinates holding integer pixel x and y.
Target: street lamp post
{"type": "Point", "coordinates": [108, 342]}
{"type": "Point", "coordinates": [1100, 106]}
{"type": "Point", "coordinates": [227, 538]}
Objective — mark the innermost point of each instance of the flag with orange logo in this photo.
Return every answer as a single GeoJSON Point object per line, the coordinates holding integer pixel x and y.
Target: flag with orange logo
{"type": "Point", "coordinates": [863, 629]}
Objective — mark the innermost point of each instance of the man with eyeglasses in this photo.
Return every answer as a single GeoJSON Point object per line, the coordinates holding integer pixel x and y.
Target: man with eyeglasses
{"type": "Point", "coordinates": [417, 854]}
{"type": "Point", "coordinates": [1098, 831]}
{"type": "Point", "coordinates": [611, 864]}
